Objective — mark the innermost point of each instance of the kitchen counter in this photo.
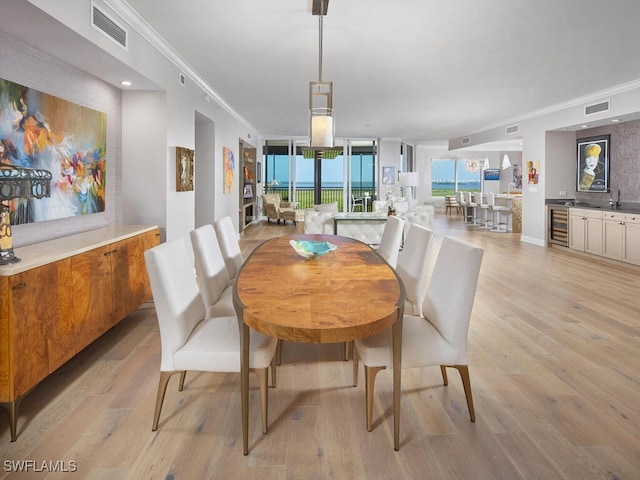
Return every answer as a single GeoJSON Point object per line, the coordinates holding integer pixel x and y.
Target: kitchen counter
{"type": "Point", "coordinates": [629, 208]}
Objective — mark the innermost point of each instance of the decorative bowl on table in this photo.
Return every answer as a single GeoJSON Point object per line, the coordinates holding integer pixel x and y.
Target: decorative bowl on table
{"type": "Point", "coordinates": [311, 249]}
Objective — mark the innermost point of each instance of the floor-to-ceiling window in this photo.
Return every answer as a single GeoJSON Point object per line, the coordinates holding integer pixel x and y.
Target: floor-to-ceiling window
{"type": "Point", "coordinates": [449, 175]}
{"type": "Point", "coordinates": [276, 167]}
{"type": "Point", "coordinates": [362, 174]}
{"type": "Point", "coordinates": [297, 174]}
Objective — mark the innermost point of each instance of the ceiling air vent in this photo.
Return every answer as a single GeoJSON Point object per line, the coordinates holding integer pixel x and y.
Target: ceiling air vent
{"type": "Point", "coordinates": [510, 130]}
{"type": "Point", "coordinates": [596, 108]}
{"type": "Point", "coordinates": [102, 22]}
{"type": "Point", "coordinates": [183, 79]}
{"type": "Point", "coordinates": [466, 140]}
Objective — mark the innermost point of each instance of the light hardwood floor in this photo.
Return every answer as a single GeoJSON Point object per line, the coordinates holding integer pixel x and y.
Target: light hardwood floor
{"type": "Point", "coordinates": [555, 371]}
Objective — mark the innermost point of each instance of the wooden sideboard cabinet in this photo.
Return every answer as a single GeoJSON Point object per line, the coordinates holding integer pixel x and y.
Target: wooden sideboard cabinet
{"type": "Point", "coordinates": [61, 297]}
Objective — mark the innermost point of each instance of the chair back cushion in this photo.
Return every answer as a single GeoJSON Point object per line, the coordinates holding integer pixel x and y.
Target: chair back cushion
{"type": "Point", "coordinates": [272, 198]}
{"type": "Point", "coordinates": [326, 207]}
{"type": "Point", "coordinates": [452, 287]}
{"type": "Point", "coordinates": [228, 240]}
{"type": "Point", "coordinates": [178, 303]}
{"type": "Point", "coordinates": [412, 263]}
{"type": "Point", "coordinates": [391, 240]}
{"type": "Point", "coordinates": [210, 267]}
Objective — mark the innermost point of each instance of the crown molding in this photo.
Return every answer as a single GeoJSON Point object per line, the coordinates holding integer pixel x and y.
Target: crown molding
{"type": "Point", "coordinates": [140, 25]}
{"type": "Point", "coordinates": [586, 99]}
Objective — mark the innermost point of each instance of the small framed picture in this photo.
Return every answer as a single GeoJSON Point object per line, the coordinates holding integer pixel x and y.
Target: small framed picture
{"type": "Point", "coordinates": [248, 191]}
{"type": "Point", "coordinates": [184, 169]}
{"type": "Point", "coordinates": [388, 175]}
{"type": "Point", "coordinates": [593, 163]}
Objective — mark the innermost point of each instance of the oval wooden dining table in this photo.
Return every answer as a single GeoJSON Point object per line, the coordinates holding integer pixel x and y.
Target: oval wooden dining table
{"type": "Point", "coordinates": [346, 294]}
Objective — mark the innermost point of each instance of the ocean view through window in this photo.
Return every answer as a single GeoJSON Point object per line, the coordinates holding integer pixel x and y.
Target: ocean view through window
{"type": "Point", "coordinates": [450, 175]}
{"type": "Point", "coordinates": [296, 175]}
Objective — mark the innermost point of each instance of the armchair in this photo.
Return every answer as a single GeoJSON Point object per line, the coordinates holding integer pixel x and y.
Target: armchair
{"type": "Point", "coordinates": [275, 209]}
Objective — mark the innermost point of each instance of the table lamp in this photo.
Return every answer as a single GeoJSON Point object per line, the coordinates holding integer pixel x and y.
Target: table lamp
{"type": "Point", "coordinates": [18, 182]}
{"type": "Point", "coordinates": [409, 180]}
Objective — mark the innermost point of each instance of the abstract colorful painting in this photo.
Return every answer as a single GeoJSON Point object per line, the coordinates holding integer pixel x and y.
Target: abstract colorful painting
{"type": "Point", "coordinates": [533, 171]}
{"type": "Point", "coordinates": [229, 166]}
{"type": "Point", "coordinates": [41, 131]}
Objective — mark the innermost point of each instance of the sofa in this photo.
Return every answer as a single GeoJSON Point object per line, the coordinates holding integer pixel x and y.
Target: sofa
{"type": "Point", "coordinates": [366, 227]}
{"type": "Point", "coordinates": [363, 226]}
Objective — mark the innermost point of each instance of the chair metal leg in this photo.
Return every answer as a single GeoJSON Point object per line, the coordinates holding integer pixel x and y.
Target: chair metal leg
{"type": "Point", "coordinates": [445, 380]}
{"type": "Point", "coordinates": [273, 372]}
{"type": "Point", "coordinates": [369, 380]}
{"type": "Point", "coordinates": [466, 383]}
{"type": "Point", "coordinates": [183, 375]}
{"type": "Point", "coordinates": [162, 389]}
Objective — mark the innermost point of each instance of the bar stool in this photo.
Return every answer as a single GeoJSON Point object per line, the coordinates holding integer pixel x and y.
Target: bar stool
{"type": "Point", "coordinates": [462, 201]}
{"type": "Point", "coordinates": [502, 206]}
{"type": "Point", "coordinates": [472, 205]}
{"type": "Point", "coordinates": [490, 203]}
{"type": "Point", "coordinates": [481, 200]}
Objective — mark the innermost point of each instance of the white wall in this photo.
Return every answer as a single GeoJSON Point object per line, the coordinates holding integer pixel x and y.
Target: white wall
{"type": "Point", "coordinates": [205, 178]}
{"type": "Point", "coordinates": [389, 155]}
{"type": "Point", "coordinates": [143, 201]}
{"type": "Point", "coordinates": [560, 152]}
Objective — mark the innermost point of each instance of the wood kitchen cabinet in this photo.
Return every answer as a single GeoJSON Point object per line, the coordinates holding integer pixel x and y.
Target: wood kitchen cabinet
{"type": "Point", "coordinates": [585, 230]}
{"type": "Point", "coordinates": [621, 236]}
{"type": "Point", "coordinates": [61, 297]}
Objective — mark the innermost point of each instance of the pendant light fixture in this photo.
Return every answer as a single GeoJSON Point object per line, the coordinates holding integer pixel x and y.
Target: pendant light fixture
{"type": "Point", "coordinates": [321, 125]}
{"type": "Point", "coordinates": [506, 163]}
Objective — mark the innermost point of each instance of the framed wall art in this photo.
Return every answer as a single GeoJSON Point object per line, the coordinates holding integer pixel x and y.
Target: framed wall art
{"type": "Point", "coordinates": [492, 174]}
{"type": "Point", "coordinates": [184, 169]}
{"type": "Point", "coordinates": [228, 168]}
{"type": "Point", "coordinates": [388, 175]}
{"type": "Point", "coordinates": [533, 172]}
{"type": "Point", "coordinates": [54, 138]}
{"type": "Point", "coordinates": [593, 163]}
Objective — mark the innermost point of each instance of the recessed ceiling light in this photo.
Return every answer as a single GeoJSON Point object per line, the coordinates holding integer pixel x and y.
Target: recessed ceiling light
{"type": "Point", "coordinates": [126, 83]}
{"type": "Point", "coordinates": [615, 120]}
{"type": "Point", "coordinates": [584, 126]}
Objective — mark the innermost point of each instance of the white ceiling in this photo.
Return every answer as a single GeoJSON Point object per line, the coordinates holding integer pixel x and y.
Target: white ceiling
{"type": "Point", "coordinates": [419, 70]}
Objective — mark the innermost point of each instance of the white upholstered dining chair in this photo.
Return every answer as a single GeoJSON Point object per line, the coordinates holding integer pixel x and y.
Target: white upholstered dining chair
{"type": "Point", "coordinates": [228, 240]}
{"type": "Point", "coordinates": [440, 336]}
{"type": "Point", "coordinates": [212, 273]}
{"type": "Point", "coordinates": [412, 265]}
{"type": "Point", "coordinates": [191, 341]}
{"type": "Point", "coordinates": [391, 240]}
